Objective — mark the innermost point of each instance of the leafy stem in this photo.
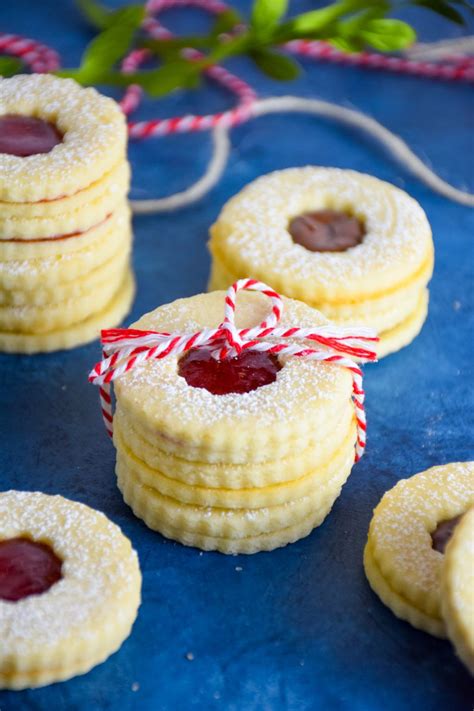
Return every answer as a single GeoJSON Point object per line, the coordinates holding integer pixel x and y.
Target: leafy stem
{"type": "Point", "coordinates": [351, 25]}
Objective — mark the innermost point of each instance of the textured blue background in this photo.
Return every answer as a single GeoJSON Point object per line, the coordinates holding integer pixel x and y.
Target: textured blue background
{"type": "Point", "coordinates": [298, 628]}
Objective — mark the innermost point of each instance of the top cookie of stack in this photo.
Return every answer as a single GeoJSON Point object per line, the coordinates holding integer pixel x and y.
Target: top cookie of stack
{"type": "Point", "coordinates": [65, 234]}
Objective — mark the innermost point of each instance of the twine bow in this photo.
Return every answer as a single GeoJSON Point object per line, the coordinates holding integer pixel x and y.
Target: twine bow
{"type": "Point", "coordinates": [127, 348]}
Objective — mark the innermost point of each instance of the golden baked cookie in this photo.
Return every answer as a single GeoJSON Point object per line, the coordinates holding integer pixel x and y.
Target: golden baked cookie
{"type": "Point", "coordinates": [75, 213]}
{"type": "Point", "coordinates": [458, 589]}
{"type": "Point", "coordinates": [99, 288]}
{"type": "Point", "coordinates": [91, 132]}
{"type": "Point", "coordinates": [302, 457]}
{"type": "Point", "coordinates": [356, 248]}
{"type": "Point", "coordinates": [69, 589]}
{"type": "Point", "coordinates": [25, 250]}
{"type": "Point", "coordinates": [229, 527]}
{"type": "Point", "coordinates": [314, 476]}
{"type": "Point", "coordinates": [54, 279]}
{"type": "Point", "coordinates": [76, 334]}
{"type": "Point", "coordinates": [404, 555]}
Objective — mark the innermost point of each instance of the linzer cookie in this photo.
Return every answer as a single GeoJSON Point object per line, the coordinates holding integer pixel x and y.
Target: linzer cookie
{"type": "Point", "coordinates": [237, 422]}
{"type": "Point", "coordinates": [65, 233]}
{"type": "Point", "coordinates": [69, 589]}
{"type": "Point", "coordinates": [458, 589]}
{"type": "Point", "coordinates": [405, 553]}
{"type": "Point", "coordinates": [354, 247]}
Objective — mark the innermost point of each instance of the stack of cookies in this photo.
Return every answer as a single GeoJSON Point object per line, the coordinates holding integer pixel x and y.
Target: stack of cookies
{"type": "Point", "coordinates": [238, 455]}
{"type": "Point", "coordinates": [358, 249]}
{"type": "Point", "coordinates": [65, 232]}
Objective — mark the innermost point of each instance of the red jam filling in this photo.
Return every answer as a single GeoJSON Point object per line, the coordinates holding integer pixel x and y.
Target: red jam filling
{"type": "Point", "coordinates": [26, 135]}
{"type": "Point", "coordinates": [326, 231]}
{"type": "Point", "coordinates": [441, 536]}
{"type": "Point", "coordinates": [247, 371]}
{"type": "Point", "coordinates": [27, 568]}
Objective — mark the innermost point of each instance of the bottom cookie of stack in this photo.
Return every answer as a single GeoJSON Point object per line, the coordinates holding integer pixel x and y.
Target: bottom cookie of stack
{"type": "Point", "coordinates": [230, 520]}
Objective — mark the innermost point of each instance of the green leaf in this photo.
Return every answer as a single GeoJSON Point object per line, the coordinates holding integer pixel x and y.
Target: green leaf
{"type": "Point", "coordinates": [347, 45]}
{"type": "Point", "coordinates": [442, 8]}
{"type": "Point", "coordinates": [225, 22]}
{"type": "Point", "coordinates": [10, 66]}
{"type": "Point", "coordinates": [266, 15]}
{"type": "Point", "coordinates": [356, 23]}
{"type": "Point", "coordinates": [171, 76]}
{"type": "Point", "coordinates": [97, 14]}
{"type": "Point", "coordinates": [275, 65]}
{"type": "Point", "coordinates": [311, 24]}
{"type": "Point", "coordinates": [388, 35]}
{"type": "Point", "coordinates": [174, 45]}
{"type": "Point", "coordinates": [110, 45]}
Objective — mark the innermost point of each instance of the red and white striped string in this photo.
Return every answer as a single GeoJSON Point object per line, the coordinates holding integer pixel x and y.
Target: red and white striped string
{"type": "Point", "coordinates": [453, 68]}
{"type": "Point", "coordinates": [125, 349]}
{"type": "Point", "coordinates": [38, 57]}
{"type": "Point", "coordinates": [453, 62]}
{"type": "Point", "coordinates": [189, 123]}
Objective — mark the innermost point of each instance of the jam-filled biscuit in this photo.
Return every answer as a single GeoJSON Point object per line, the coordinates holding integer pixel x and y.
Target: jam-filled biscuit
{"type": "Point", "coordinates": [55, 137]}
{"type": "Point", "coordinates": [354, 247]}
{"type": "Point", "coordinates": [69, 589]}
{"type": "Point", "coordinates": [458, 589]}
{"type": "Point", "coordinates": [404, 555]}
{"type": "Point", "coordinates": [237, 455]}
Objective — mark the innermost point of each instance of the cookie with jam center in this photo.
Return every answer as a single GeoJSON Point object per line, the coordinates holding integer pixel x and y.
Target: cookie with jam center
{"type": "Point", "coordinates": [356, 248]}
{"type": "Point", "coordinates": [69, 589]}
{"type": "Point", "coordinates": [405, 553]}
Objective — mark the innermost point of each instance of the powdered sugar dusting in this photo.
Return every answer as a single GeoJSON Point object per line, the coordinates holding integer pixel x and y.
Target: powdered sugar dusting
{"type": "Point", "coordinates": [401, 529]}
{"type": "Point", "coordinates": [94, 137]}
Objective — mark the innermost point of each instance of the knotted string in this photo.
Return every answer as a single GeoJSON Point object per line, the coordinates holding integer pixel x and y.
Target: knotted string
{"type": "Point", "coordinates": [128, 348]}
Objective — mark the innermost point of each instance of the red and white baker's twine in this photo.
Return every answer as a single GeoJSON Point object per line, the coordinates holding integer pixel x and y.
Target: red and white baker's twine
{"type": "Point", "coordinates": [454, 68]}
{"type": "Point", "coordinates": [190, 123]}
{"type": "Point", "coordinates": [125, 349]}
{"type": "Point", "coordinates": [38, 57]}
{"type": "Point", "coordinates": [456, 65]}
{"type": "Point", "coordinates": [41, 58]}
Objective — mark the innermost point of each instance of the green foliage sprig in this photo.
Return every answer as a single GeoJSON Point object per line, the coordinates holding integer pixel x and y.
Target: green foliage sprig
{"type": "Point", "coordinates": [350, 25]}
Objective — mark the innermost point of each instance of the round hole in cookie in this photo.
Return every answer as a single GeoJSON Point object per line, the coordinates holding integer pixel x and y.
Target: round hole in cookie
{"type": "Point", "coordinates": [240, 374]}
{"type": "Point", "coordinates": [441, 536]}
{"type": "Point", "coordinates": [24, 136]}
{"type": "Point", "coordinates": [326, 230]}
{"type": "Point", "coordinates": [27, 568]}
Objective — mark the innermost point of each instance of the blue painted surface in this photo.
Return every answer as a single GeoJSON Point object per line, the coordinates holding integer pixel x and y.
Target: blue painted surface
{"type": "Point", "coordinates": [299, 628]}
